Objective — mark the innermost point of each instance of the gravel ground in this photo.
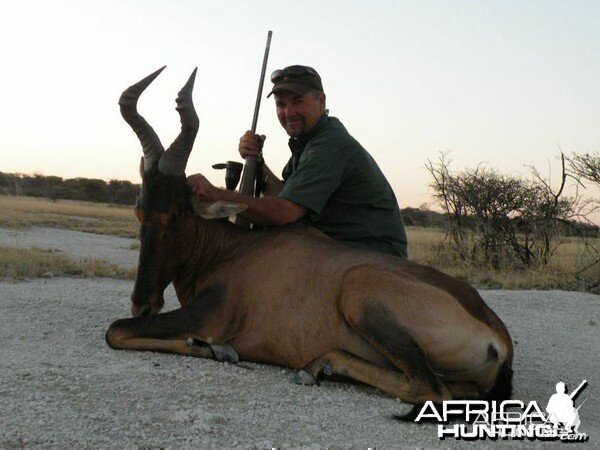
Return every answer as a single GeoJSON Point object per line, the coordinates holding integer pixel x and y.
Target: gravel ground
{"type": "Point", "coordinates": [61, 385]}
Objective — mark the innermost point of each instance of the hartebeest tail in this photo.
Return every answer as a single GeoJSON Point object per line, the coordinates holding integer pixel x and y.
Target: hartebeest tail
{"type": "Point", "coordinates": [294, 297]}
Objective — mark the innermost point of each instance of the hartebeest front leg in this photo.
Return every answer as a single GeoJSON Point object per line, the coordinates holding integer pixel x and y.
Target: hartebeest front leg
{"type": "Point", "coordinates": [120, 340]}
{"type": "Point", "coordinates": [122, 336]}
{"type": "Point", "coordinates": [178, 331]}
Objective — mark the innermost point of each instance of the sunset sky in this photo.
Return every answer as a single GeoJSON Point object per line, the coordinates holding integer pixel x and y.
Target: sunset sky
{"type": "Point", "coordinates": [503, 83]}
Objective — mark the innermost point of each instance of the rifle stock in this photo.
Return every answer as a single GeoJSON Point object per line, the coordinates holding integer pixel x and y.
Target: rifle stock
{"type": "Point", "coordinates": [249, 176]}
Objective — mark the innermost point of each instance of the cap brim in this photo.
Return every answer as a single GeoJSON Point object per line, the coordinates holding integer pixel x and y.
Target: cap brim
{"type": "Point", "coordinates": [296, 88]}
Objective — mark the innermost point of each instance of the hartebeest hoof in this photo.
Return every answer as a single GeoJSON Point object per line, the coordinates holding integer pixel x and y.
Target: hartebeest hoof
{"type": "Point", "coordinates": [304, 378]}
{"type": "Point", "coordinates": [224, 353]}
{"type": "Point", "coordinates": [221, 352]}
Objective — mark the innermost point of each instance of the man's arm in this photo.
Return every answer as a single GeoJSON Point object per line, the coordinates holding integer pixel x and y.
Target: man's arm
{"type": "Point", "coordinates": [261, 211]}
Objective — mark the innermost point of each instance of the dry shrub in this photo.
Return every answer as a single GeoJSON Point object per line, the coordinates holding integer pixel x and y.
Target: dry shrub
{"type": "Point", "coordinates": [502, 221]}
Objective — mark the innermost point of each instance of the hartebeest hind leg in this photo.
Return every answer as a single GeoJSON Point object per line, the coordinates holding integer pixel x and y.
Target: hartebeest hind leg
{"type": "Point", "coordinates": [367, 297]}
{"type": "Point", "coordinates": [413, 388]}
{"type": "Point", "coordinates": [392, 382]}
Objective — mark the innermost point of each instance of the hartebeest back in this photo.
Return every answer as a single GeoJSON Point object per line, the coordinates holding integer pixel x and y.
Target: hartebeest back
{"type": "Point", "coordinates": [292, 296]}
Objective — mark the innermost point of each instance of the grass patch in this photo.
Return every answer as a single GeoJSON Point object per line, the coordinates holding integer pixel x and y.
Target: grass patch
{"type": "Point", "coordinates": [18, 264]}
{"type": "Point", "coordinates": [100, 218]}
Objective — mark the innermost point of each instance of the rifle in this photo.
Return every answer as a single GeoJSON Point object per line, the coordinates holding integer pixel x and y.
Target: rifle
{"type": "Point", "coordinates": [252, 177]}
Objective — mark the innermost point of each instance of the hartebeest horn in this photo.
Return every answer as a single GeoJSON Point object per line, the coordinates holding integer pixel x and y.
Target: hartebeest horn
{"type": "Point", "coordinates": [174, 160]}
{"type": "Point", "coordinates": [151, 144]}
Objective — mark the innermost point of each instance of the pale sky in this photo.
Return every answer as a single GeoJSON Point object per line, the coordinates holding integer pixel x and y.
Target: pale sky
{"type": "Point", "coordinates": [499, 82]}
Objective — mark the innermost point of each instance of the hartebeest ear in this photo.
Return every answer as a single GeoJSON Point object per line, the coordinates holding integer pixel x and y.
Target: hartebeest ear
{"type": "Point", "coordinates": [217, 210]}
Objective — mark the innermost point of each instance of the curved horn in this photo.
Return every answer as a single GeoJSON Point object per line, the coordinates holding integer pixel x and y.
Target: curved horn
{"type": "Point", "coordinates": [174, 160]}
{"type": "Point", "coordinates": [151, 144]}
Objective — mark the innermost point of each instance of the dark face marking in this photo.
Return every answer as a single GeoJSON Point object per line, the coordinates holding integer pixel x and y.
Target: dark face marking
{"type": "Point", "coordinates": [162, 193]}
{"type": "Point", "coordinates": [377, 323]}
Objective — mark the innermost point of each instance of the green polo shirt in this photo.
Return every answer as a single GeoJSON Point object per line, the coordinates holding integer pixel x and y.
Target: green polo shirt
{"type": "Point", "coordinates": [346, 194]}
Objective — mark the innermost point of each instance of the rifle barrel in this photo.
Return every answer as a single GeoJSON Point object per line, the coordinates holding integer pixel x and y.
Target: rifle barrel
{"type": "Point", "coordinates": [250, 167]}
{"type": "Point", "coordinates": [577, 389]}
{"type": "Point", "coordinates": [261, 82]}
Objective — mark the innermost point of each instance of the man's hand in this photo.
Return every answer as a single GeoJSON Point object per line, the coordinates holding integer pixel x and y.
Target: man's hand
{"type": "Point", "coordinates": [251, 144]}
{"type": "Point", "coordinates": [202, 188]}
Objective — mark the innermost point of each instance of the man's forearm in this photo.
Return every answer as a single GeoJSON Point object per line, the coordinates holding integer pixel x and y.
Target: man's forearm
{"type": "Point", "coordinates": [264, 211]}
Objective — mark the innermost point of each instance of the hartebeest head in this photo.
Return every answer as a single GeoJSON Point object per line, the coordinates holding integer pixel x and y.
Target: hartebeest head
{"type": "Point", "coordinates": [163, 200]}
{"type": "Point", "coordinates": [167, 215]}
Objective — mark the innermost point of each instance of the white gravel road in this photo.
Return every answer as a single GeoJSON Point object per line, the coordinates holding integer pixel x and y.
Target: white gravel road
{"type": "Point", "coordinates": [61, 385]}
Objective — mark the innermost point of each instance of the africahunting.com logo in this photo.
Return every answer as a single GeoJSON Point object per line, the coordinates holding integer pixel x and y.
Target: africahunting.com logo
{"type": "Point", "coordinates": [510, 419]}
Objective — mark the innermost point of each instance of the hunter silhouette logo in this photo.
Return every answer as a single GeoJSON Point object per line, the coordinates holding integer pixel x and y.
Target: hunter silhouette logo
{"type": "Point", "coordinates": [561, 409]}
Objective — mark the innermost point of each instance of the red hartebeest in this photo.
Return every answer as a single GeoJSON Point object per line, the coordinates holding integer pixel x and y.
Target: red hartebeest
{"type": "Point", "coordinates": [292, 296]}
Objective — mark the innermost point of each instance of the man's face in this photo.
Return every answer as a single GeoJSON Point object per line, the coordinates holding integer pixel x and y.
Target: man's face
{"type": "Point", "coordinates": [299, 113]}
